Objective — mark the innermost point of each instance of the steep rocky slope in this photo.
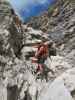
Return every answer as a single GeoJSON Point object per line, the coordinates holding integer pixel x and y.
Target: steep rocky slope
{"type": "Point", "coordinates": [16, 47]}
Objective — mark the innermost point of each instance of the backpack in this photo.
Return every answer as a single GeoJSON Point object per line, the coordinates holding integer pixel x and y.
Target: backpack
{"type": "Point", "coordinates": [43, 51]}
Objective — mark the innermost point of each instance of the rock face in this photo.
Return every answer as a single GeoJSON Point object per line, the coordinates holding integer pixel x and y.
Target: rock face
{"type": "Point", "coordinates": [15, 47]}
{"type": "Point", "coordinates": [69, 78]}
{"type": "Point", "coordinates": [56, 91]}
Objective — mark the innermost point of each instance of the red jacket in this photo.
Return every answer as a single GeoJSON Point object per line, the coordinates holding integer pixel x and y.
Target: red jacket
{"type": "Point", "coordinates": [42, 51]}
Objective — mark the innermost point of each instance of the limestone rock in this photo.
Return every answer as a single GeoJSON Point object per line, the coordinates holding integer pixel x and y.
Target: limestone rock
{"type": "Point", "coordinates": [3, 92]}
{"type": "Point", "coordinates": [56, 91]}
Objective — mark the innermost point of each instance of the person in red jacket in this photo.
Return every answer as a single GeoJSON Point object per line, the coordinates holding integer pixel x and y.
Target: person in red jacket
{"type": "Point", "coordinates": [41, 55]}
{"type": "Point", "coordinates": [44, 50]}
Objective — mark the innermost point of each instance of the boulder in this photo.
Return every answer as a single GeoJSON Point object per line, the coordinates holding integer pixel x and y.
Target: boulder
{"type": "Point", "coordinates": [56, 91]}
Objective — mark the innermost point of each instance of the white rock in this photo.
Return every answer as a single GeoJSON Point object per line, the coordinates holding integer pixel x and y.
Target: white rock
{"type": "Point", "coordinates": [36, 32]}
{"type": "Point", "coordinates": [69, 79]}
{"type": "Point", "coordinates": [61, 88]}
{"type": "Point", "coordinates": [33, 41]}
{"type": "Point", "coordinates": [33, 89]}
{"type": "Point", "coordinates": [29, 77]}
{"type": "Point", "coordinates": [48, 62]}
{"type": "Point", "coordinates": [25, 87]}
{"type": "Point", "coordinates": [59, 61]}
{"type": "Point", "coordinates": [56, 91]}
{"type": "Point", "coordinates": [28, 49]}
{"type": "Point", "coordinates": [3, 92]}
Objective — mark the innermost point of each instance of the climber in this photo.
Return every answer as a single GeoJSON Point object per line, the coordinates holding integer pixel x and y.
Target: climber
{"type": "Point", "coordinates": [45, 50]}
{"type": "Point", "coordinates": [41, 55]}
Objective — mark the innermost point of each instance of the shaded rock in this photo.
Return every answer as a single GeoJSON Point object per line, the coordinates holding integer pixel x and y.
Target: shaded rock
{"type": "Point", "coordinates": [27, 96]}
{"type": "Point", "coordinates": [12, 92]}
{"type": "Point", "coordinates": [4, 44]}
{"type": "Point", "coordinates": [15, 39]}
